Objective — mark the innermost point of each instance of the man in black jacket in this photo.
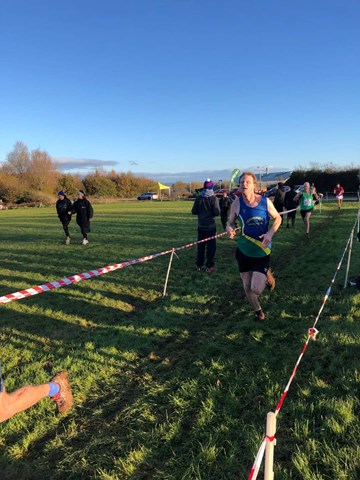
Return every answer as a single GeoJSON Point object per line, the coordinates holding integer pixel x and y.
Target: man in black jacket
{"type": "Point", "coordinates": [224, 204]}
{"type": "Point", "coordinates": [206, 207]}
{"type": "Point", "coordinates": [279, 199]}
{"type": "Point", "coordinates": [290, 204]}
{"type": "Point", "coordinates": [64, 209]}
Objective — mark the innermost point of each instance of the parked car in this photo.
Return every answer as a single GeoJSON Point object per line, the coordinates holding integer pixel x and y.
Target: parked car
{"type": "Point", "coordinates": [148, 196]}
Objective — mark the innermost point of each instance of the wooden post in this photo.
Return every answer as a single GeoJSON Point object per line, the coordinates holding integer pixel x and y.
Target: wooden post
{"type": "Point", "coordinates": [168, 272]}
{"type": "Point", "coordinates": [270, 444]}
{"type": "Point", "coordinates": [349, 258]}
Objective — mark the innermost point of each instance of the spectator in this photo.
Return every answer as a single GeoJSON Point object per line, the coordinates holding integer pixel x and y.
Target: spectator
{"type": "Point", "coordinates": [206, 207]}
{"type": "Point", "coordinates": [84, 213]}
{"type": "Point", "coordinates": [64, 209]}
{"type": "Point", "coordinates": [317, 196]}
{"type": "Point", "coordinates": [224, 204]}
{"type": "Point", "coordinates": [339, 194]}
{"type": "Point", "coordinates": [279, 199]}
{"type": "Point", "coordinates": [58, 389]}
{"type": "Point", "coordinates": [253, 213]}
{"type": "Point", "coordinates": [291, 204]}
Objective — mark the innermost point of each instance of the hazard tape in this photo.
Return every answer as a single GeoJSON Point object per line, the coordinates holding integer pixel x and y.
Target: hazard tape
{"type": "Point", "coordinates": [63, 282]}
{"type": "Point", "coordinates": [288, 211]}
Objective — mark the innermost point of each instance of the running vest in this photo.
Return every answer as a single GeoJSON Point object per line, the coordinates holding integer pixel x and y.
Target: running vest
{"type": "Point", "coordinates": [253, 222]}
{"type": "Point", "coordinates": [306, 201]}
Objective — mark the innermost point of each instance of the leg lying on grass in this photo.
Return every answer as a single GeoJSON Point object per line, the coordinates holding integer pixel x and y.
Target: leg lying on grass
{"type": "Point", "coordinates": [58, 390]}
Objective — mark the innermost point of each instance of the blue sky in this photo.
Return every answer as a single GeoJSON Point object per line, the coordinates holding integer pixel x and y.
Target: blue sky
{"type": "Point", "coordinates": [176, 86]}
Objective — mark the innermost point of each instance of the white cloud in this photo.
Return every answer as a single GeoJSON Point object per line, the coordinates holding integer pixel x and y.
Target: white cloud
{"type": "Point", "coordinates": [83, 163]}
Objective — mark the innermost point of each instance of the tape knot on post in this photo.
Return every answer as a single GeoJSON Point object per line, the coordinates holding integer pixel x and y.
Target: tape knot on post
{"type": "Point", "coordinates": [313, 332]}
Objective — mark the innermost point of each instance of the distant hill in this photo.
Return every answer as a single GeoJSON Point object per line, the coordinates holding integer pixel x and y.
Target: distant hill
{"type": "Point", "coordinates": [215, 175]}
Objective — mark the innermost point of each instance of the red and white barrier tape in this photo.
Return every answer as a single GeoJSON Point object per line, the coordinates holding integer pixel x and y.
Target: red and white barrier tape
{"type": "Point", "coordinates": [92, 273]}
{"type": "Point", "coordinates": [288, 211]}
{"type": "Point", "coordinates": [75, 278]}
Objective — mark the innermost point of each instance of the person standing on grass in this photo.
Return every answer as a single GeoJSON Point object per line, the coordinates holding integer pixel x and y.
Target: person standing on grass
{"type": "Point", "coordinates": [339, 194]}
{"type": "Point", "coordinates": [206, 207]}
{"type": "Point", "coordinates": [84, 213]}
{"type": "Point", "coordinates": [279, 199]}
{"type": "Point", "coordinates": [252, 213]}
{"type": "Point", "coordinates": [307, 200]}
{"type": "Point", "coordinates": [224, 204]}
{"type": "Point", "coordinates": [58, 389]}
{"type": "Point", "coordinates": [290, 204]}
{"type": "Point", "coordinates": [64, 209]}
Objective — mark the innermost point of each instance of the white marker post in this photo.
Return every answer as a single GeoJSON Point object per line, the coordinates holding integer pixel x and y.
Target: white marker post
{"type": "Point", "coordinates": [168, 272]}
{"type": "Point", "coordinates": [270, 444]}
{"type": "Point", "coordinates": [349, 258]}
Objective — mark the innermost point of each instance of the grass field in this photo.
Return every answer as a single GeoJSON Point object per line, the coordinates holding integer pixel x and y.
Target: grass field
{"type": "Point", "coordinates": [178, 388]}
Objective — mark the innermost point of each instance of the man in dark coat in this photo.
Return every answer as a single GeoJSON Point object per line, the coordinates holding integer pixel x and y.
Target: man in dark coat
{"type": "Point", "coordinates": [290, 204]}
{"type": "Point", "coordinates": [224, 204]}
{"type": "Point", "coordinates": [206, 207]}
{"type": "Point", "coordinates": [84, 212]}
{"type": "Point", "coordinates": [64, 210]}
{"type": "Point", "coordinates": [279, 199]}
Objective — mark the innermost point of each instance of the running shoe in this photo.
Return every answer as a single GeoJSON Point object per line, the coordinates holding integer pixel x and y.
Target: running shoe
{"type": "Point", "coordinates": [270, 279]}
{"type": "Point", "coordinates": [63, 399]}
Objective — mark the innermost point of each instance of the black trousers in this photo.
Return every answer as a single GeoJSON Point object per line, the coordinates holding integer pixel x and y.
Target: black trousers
{"type": "Point", "coordinates": [66, 228]}
{"type": "Point", "coordinates": [209, 246]}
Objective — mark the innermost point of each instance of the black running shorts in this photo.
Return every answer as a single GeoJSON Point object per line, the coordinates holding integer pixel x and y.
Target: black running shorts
{"type": "Point", "coordinates": [252, 264]}
{"type": "Point", "coordinates": [304, 212]}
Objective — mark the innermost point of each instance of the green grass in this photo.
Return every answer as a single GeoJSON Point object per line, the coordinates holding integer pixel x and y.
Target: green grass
{"type": "Point", "coordinates": [178, 388]}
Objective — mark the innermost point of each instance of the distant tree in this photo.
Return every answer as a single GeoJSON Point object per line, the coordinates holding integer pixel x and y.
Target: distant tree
{"type": "Point", "coordinates": [99, 185]}
{"type": "Point", "coordinates": [42, 174]}
{"type": "Point", "coordinates": [17, 161]}
{"type": "Point", "coordinates": [325, 180]}
{"type": "Point", "coordinates": [180, 186]}
{"type": "Point", "coordinates": [70, 184]}
{"type": "Point", "coordinates": [11, 188]}
{"type": "Point", "coordinates": [128, 185]}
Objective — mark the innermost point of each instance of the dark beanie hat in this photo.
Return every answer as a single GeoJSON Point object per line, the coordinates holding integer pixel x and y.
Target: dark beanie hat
{"type": "Point", "coordinates": [61, 193]}
{"type": "Point", "coordinates": [208, 184]}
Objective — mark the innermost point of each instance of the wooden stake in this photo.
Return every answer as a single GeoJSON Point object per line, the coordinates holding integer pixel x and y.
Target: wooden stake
{"type": "Point", "coordinates": [168, 272]}
{"type": "Point", "coordinates": [270, 444]}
